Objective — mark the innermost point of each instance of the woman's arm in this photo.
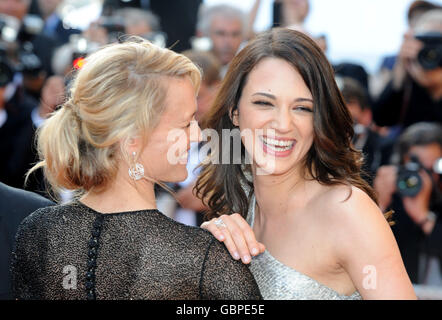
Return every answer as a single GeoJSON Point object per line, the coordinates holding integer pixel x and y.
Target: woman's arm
{"type": "Point", "coordinates": [366, 248]}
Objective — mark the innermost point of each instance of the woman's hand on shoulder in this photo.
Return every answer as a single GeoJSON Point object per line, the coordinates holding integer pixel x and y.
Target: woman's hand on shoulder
{"type": "Point", "coordinates": [366, 248]}
{"type": "Point", "coordinates": [237, 236]}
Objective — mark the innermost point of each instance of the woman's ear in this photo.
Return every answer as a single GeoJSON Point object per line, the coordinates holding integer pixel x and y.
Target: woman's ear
{"type": "Point", "coordinates": [132, 144]}
{"type": "Point", "coordinates": [234, 116]}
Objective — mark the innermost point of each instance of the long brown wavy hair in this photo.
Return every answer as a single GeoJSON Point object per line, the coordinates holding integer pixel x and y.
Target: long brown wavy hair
{"type": "Point", "coordinates": [331, 160]}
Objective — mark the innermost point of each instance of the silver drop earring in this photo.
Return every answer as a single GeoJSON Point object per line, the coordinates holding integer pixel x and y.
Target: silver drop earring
{"type": "Point", "coordinates": [136, 171]}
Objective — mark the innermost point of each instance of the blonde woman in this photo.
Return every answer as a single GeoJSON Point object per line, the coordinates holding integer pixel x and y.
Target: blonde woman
{"type": "Point", "coordinates": [109, 142]}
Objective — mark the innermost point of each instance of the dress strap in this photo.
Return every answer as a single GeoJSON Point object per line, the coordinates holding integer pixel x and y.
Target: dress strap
{"type": "Point", "coordinates": [251, 213]}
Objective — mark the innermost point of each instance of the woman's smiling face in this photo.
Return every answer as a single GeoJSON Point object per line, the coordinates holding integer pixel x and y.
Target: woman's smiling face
{"type": "Point", "coordinates": [276, 106]}
{"type": "Point", "coordinates": [166, 152]}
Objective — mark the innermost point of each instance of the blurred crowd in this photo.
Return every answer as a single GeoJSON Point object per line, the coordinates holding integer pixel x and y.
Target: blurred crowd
{"type": "Point", "coordinates": [397, 122]}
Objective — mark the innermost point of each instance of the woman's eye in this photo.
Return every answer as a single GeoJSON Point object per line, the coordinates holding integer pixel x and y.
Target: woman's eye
{"type": "Point", "coordinates": [301, 108]}
{"type": "Point", "coordinates": [262, 103]}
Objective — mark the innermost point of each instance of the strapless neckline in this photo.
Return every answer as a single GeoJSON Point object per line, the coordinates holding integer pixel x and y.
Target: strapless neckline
{"type": "Point", "coordinates": [266, 257]}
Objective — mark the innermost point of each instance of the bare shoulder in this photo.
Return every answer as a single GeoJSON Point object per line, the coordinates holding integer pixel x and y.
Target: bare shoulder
{"type": "Point", "coordinates": [362, 241]}
{"type": "Point", "coordinates": [355, 222]}
{"type": "Point", "coordinates": [350, 208]}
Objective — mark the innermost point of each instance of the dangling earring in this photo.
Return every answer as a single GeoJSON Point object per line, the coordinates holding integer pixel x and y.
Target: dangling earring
{"type": "Point", "coordinates": [136, 171]}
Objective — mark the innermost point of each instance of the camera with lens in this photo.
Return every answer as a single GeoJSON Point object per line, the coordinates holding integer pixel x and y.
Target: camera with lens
{"type": "Point", "coordinates": [430, 56]}
{"type": "Point", "coordinates": [12, 30]}
{"type": "Point", "coordinates": [15, 42]}
{"type": "Point", "coordinates": [29, 63]}
{"type": "Point", "coordinates": [409, 182]}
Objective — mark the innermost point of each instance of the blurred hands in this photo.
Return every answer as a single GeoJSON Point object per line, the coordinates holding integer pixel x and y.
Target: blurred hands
{"type": "Point", "coordinates": [407, 60]}
{"type": "Point", "coordinates": [410, 48]}
{"type": "Point", "coordinates": [385, 185]}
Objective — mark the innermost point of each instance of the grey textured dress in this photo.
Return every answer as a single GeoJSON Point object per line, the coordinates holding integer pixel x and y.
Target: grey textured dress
{"type": "Point", "coordinates": [278, 281]}
{"type": "Point", "coordinates": [73, 252]}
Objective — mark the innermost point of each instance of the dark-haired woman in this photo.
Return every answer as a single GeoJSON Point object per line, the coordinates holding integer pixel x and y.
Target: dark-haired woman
{"type": "Point", "coordinates": [302, 196]}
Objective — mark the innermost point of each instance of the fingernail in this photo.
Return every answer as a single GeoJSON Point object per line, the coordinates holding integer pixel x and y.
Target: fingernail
{"type": "Point", "coordinates": [246, 259]}
{"type": "Point", "coordinates": [221, 237]}
{"type": "Point", "coordinates": [254, 251]}
{"type": "Point", "coordinates": [236, 255]}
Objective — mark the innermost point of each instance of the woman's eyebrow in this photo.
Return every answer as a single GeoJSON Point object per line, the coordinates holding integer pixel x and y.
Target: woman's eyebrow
{"type": "Point", "coordinates": [268, 95]}
{"type": "Point", "coordinates": [303, 100]}
{"type": "Point", "coordinates": [271, 96]}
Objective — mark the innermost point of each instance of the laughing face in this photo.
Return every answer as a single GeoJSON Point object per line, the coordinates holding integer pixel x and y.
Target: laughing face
{"type": "Point", "coordinates": [277, 106]}
{"type": "Point", "coordinates": [166, 152]}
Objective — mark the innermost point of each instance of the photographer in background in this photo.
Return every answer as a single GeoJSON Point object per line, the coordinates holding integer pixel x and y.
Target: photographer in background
{"type": "Point", "coordinates": [29, 38]}
{"type": "Point", "coordinates": [33, 75]}
{"type": "Point", "coordinates": [416, 9]}
{"type": "Point", "coordinates": [412, 188]}
{"type": "Point", "coordinates": [365, 139]}
{"type": "Point", "coordinates": [54, 27]}
{"type": "Point", "coordinates": [226, 27]}
{"type": "Point", "coordinates": [15, 132]}
{"type": "Point", "coordinates": [414, 93]}
{"type": "Point", "coordinates": [178, 18]}
{"type": "Point", "coordinates": [52, 96]}
{"type": "Point", "coordinates": [126, 21]}
{"type": "Point", "coordinates": [15, 205]}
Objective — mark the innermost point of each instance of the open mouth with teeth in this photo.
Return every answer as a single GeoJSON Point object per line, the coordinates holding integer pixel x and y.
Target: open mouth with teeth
{"type": "Point", "coordinates": [278, 146]}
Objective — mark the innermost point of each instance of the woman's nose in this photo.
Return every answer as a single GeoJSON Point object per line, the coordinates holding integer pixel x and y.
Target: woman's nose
{"type": "Point", "coordinates": [282, 121]}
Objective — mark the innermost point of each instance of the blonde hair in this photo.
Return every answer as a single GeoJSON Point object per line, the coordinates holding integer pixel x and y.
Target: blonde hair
{"type": "Point", "coordinates": [119, 92]}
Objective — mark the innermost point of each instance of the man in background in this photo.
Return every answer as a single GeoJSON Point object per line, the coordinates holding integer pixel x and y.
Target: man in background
{"type": "Point", "coordinates": [414, 94]}
{"type": "Point", "coordinates": [417, 205]}
{"type": "Point", "coordinates": [226, 26]}
{"type": "Point", "coordinates": [15, 205]}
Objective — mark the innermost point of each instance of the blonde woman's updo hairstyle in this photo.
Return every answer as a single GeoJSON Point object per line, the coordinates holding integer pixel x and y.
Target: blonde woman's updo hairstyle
{"type": "Point", "coordinates": [118, 93]}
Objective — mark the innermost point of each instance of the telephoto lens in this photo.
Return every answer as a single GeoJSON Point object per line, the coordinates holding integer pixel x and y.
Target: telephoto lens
{"type": "Point", "coordinates": [430, 56]}
{"type": "Point", "coordinates": [409, 182]}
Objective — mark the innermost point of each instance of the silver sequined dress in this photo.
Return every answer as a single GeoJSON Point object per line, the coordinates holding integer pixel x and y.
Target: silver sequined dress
{"type": "Point", "coordinates": [278, 281]}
